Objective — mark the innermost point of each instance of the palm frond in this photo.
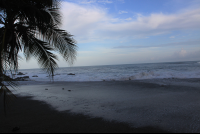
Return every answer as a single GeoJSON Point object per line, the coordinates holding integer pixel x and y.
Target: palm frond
{"type": "Point", "coordinates": [63, 42]}
{"type": "Point", "coordinates": [31, 26]}
{"type": "Point", "coordinates": [42, 52]}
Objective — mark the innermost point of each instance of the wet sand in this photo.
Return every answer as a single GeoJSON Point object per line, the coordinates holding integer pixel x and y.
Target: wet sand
{"type": "Point", "coordinates": [33, 116]}
{"type": "Point", "coordinates": [116, 106]}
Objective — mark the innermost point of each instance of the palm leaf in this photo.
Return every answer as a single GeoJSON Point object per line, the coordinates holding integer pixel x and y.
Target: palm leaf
{"type": "Point", "coordinates": [31, 26]}
{"type": "Point", "coordinates": [42, 52]}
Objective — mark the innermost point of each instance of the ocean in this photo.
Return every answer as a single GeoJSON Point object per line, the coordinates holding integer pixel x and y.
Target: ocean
{"type": "Point", "coordinates": [188, 69]}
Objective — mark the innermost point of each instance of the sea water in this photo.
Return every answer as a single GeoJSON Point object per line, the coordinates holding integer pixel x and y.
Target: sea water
{"type": "Point", "coordinates": [188, 69]}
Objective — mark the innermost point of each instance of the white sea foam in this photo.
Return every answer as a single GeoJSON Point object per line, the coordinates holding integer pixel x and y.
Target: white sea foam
{"type": "Point", "coordinates": [120, 72]}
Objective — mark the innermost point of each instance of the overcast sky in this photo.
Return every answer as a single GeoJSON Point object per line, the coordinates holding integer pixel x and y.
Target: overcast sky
{"type": "Point", "coordinates": [130, 31]}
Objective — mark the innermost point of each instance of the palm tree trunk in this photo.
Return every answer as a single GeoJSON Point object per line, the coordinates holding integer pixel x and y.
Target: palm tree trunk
{"type": "Point", "coordinates": [1, 57]}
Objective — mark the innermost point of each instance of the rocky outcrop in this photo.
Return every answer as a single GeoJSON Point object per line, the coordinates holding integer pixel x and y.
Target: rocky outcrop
{"type": "Point", "coordinates": [25, 78]}
{"type": "Point", "coordinates": [20, 73]}
{"type": "Point", "coordinates": [71, 74]}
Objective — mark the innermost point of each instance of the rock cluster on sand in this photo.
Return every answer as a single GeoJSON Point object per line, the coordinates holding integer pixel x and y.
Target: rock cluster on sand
{"type": "Point", "coordinates": [71, 74]}
{"type": "Point", "coordinates": [20, 73]}
{"type": "Point", "coordinates": [25, 78]}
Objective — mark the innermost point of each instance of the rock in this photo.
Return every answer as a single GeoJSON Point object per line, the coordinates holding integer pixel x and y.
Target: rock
{"type": "Point", "coordinates": [163, 85]}
{"type": "Point", "coordinates": [71, 74]}
{"type": "Point", "coordinates": [62, 88]}
{"type": "Point", "coordinates": [25, 78]}
{"type": "Point", "coordinates": [46, 89]}
{"type": "Point", "coordinates": [20, 73]}
{"type": "Point", "coordinates": [34, 76]}
{"type": "Point", "coordinates": [69, 90]}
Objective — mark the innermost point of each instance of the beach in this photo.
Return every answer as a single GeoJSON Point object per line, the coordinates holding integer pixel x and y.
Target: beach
{"type": "Point", "coordinates": [151, 105]}
{"type": "Point", "coordinates": [99, 66]}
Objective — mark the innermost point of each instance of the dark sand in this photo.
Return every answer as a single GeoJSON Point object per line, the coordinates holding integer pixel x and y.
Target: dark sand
{"type": "Point", "coordinates": [33, 116]}
{"type": "Point", "coordinates": [158, 106]}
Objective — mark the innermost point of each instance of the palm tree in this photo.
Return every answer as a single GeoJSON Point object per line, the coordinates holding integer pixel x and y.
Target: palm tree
{"type": "Point", "coordinates": [32, 26]}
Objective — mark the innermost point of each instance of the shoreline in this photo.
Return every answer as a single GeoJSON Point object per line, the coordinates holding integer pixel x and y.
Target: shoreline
{"type": "Point", "coordinates": [167, 105]}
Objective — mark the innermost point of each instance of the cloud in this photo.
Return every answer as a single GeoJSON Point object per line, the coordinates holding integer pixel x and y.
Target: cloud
{"type": "Point", "coordinates": [105, 1]}
{"type": "Point", "coordinates": [122, 1]}
{"type": "Point", "coordinates": [155, 24]}
{"type": "Point", "coordinates": [182, 43]}
{"type": "Point", "coordinates": [94, 1]}
{"type": "Point", "coordinates": [172, 37]}
{"type": "Point", "coordinates": [122, 12]}
{"type": "Point", "coordinates": [81, 21]}
{"type": "Point", "coordinates": [87, 1]}
{"type": "Point", "coordinates": [128, 19]}
{"type": "Point", "coordinates": [181, 53]}
{"type": "Point", "coordinates": [186, 55]}
{"type": "Point", "coordinates": [91, 23]}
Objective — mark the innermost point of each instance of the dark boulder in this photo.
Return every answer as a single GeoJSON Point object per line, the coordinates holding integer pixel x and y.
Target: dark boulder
{"type": "Point", "coordinates": [20, 73]}
{"type": "Point", "coordinates": [25, 78]}
{"type": "Point", "coordinates": [71, 74]}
